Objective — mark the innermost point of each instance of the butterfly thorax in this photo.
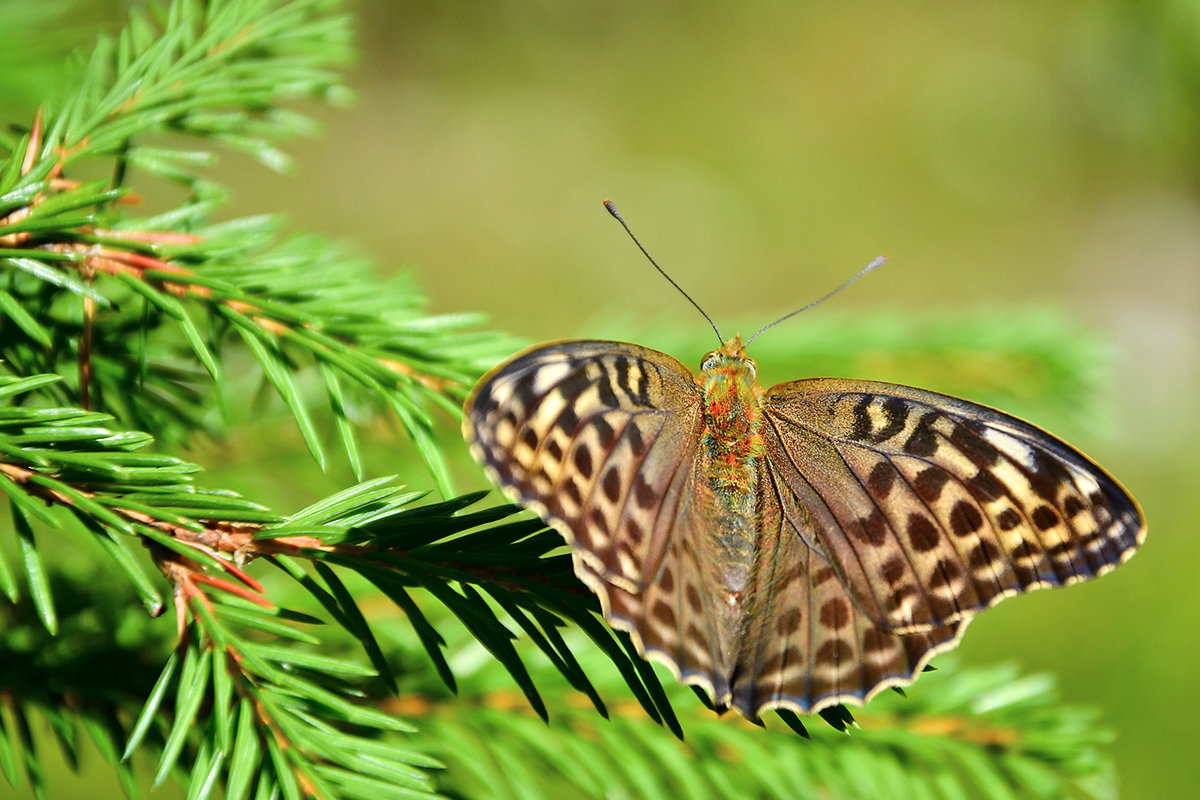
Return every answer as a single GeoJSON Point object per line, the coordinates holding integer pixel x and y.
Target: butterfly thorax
{"type": "Point", "coordinates": [732, 446]}
{"type": "Point", "coordinates": [732, 415]}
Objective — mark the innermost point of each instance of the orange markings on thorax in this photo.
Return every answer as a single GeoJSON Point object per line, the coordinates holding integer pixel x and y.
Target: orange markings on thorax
{"type": "Point", "coordinates": [733, 413]}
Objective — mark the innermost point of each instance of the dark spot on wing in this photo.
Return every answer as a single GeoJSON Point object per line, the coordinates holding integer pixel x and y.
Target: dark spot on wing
{"type": "Point", "coordinates": [693, 599]}
{"type": "Point", "coordinates": [1008, 519]}
{"type": "Point", "coordinates": [894, 570]}
{"type": "Point", "coordinates": [530, 438]}
{"type": "Point", "coordinates": [872, 530]}
{"type": "Point", "coordinates": [567, 421]}
{"type": "Point", "coordinates": [1045, 517]}
{"type": "Point", "coordinates": [666, 581]}
{"type": "Point", "coordinates": [611, 484]}
{"type": "Point", "coordinates": [929, 483]}
{"type": "Point", "coordinates": [788, 622]}
{"type": "Point", "coordinates": [643, 493]}
{"type": "Point", "coordinates": [663, 614]}
{"type": "Point", "coordinates": [985, 486]}
{"type": "Point", "coordinates": [1072, 506]}
{"type": "Point", "coordinates": [1046, 476]}
{"type": "Point", "coordinates": [965, 519]}
{"type": "Point", "coordinates": [583, 461]}
{"type": "Point", "coordinates": [976, 448]}
{"type": "Point", "coordinates": [604, 432]}
{"type": "Point", "coordinates": [923, 441]}
{"type": "Point", "coordinates": [880, 481]}
{"type": "Point", "coordinates": [876, 640]}
{"type": "Point", "coordinates": [822, 575]}
{"type": "Point", "coordinates": [834, 651]}
{"type": "Point", "coordinates": [984, 555]}
{"type": "Point", "coordinates": [862, 420]}
{"type": "Point", "coordinates": [922, 533]}
{"type": "Point", "coordinates": [637, 445]}
{"type": "Point", "coordinates": [835, 613]}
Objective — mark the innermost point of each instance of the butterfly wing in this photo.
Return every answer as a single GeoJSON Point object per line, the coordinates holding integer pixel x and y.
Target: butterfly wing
{"type": "Point", "coordinates": [600, 439]}
{"type": "Point", "coordinates": [805, 643]}
{"type": "Point", "coordinates": [930, 508]}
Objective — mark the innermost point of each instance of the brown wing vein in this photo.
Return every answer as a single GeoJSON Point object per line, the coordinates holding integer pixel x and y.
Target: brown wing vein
{"type": "Point", "coordinates": [1017, 504]}
{"type": "Point", "coordinates": [865, 568]}
{"type": "Point", "coordinates": [1010, 492]}
{"type": "Point", "coordinates": [961, 559]}
{"type": "Point", "coordinates": [894, 528]}
{"type": "Point", "coordinates": [997, 587]}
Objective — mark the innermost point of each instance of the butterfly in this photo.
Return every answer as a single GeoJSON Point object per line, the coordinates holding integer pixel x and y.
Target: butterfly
{"type": "Point", "coordinates": [793, 547]}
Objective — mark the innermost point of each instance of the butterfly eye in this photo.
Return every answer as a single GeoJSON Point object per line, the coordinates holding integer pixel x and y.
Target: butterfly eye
{"type": "Point", "coordinates": [709, 362]}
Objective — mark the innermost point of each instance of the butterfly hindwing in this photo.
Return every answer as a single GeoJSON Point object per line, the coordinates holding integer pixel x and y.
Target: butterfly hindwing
{"type": "Point", "coordinates": [805, 643]}
{"type": "Point", "coordinates": [677, 618]}
{"type": "Point", "coordinates": [932, 508]}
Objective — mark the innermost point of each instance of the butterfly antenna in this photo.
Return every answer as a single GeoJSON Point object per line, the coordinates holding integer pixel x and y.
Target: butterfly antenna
{"type": "Point", "coordinates": [612, 209]}
{"type": "Point", "coordinates": [878, 262]}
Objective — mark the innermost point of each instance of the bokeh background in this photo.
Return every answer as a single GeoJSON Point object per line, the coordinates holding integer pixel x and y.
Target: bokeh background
{"type": "Point", "coordinates": [1003, 154]}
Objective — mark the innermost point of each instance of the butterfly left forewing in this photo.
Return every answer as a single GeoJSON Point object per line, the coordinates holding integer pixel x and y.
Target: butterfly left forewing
{"type": "Point", "coordinates": [591, 436]}
{"type": "Point", "coordinates": [601, 439]}
{"type": "Point", "coordinates": [932, 508]}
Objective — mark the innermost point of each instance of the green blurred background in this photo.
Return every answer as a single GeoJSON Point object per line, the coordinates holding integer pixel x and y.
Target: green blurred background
{"type": "Point", "coordinates": [1003, 154]}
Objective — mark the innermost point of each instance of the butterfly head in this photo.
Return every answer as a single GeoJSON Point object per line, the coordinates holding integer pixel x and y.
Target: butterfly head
{"type": "Point", "coordinates": [729, 359]}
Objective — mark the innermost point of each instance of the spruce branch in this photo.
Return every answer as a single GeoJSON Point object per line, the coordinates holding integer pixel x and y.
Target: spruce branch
{"type": "Point", "coordinates": [246, 695]}
{"type": "Point", "coordinates": [940, 743]}
{"type": "Point", "coordinates": [959, 733]}
{"type": "Point", "coordinates": [64, 460]}
{"type": "Point", "coordinates": [112, 324]}
{"type": "Point", "coordinates": [85, 276]}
